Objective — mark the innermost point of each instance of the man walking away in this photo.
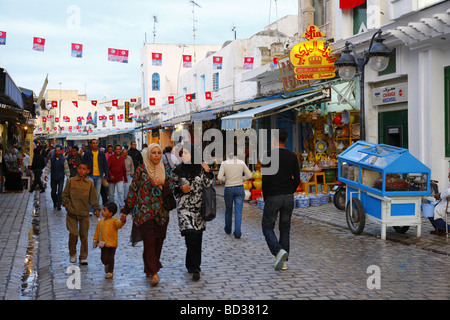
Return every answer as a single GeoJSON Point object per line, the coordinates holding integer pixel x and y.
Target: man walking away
{"type": "Point", "coordinates": [136, 155]}
{"type": "Point", "coordinates": [58, 168]}
{"type": "Point", "coordinates": [278, 192]}
{"type": "Point", "coordinates": [37, 166]}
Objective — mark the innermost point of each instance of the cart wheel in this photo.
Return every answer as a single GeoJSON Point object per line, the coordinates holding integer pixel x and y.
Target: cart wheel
{"type": "Point", "coordinates": [339, 199]}
{"type": "Point", "coordinates": [356, 216]}
{"type": "Point", "coordinates": [402, 229]}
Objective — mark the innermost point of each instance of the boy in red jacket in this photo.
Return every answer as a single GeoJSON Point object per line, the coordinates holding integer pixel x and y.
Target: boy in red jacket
{"type": "Point", "coordinates": [117, 176]}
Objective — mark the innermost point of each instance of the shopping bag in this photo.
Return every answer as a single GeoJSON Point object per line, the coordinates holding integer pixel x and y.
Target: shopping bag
{"type": "Point", "coordinates": [209, 203]}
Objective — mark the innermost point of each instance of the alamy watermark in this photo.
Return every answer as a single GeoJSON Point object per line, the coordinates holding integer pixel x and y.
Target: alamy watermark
{"type": "Point", "coordinates": [257, 143]}
{"type": "Point", "coordinates": [374, 280]}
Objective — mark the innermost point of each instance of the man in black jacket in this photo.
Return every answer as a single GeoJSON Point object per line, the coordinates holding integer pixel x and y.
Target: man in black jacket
{"type": "Point", "coordinates": [278, 192]}
{"type": "Point", "coordinates": [37, 166]}
{"type": "Point", "coordinates": [136, 155]}
{"type": "Point", "coordinates": [97, 165]}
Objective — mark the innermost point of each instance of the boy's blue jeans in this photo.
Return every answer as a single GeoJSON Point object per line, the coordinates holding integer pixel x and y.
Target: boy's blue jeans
{"type": "Point", "coordinates": [234, 195]}
{"type": "Point", "coordinates": [284, 204]}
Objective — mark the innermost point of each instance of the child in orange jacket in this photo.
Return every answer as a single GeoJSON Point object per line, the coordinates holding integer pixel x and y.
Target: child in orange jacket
{"type": "Point", "coordinates": [106, 237]}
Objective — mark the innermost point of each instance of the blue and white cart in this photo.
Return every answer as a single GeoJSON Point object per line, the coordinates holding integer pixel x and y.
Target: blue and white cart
{"type": "Point", "coordinates": [385, 184]}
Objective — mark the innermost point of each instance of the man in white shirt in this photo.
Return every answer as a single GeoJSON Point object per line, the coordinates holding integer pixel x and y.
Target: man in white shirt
{"type": "Point", "coordinates": [440, 210]}
{"type": "Point", "coordinates": [234, 171]}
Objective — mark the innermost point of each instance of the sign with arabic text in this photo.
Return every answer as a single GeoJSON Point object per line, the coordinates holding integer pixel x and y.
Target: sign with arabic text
{"type": "Point", "coordinates": [312, 59]}
{"type": "Point", "coordinates": [290, 82]}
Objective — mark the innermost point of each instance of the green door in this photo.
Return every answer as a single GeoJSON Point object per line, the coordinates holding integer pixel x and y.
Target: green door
{"type": "Point", "coordinates": [393, 128]}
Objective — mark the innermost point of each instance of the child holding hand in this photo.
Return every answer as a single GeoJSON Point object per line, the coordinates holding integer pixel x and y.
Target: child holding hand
{"type": "Point", "coordinates": [106, 237]}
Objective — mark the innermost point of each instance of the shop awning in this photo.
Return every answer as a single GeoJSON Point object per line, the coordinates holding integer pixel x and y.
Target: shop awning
{"type": "Point", "coordinates": [203, 115]}
{"type": "Point", "coordinates": [87, 137]}
{"type": "Point", "coordinates": [243, 120]}
{"type": "Point", "coordinates": [10, 94]}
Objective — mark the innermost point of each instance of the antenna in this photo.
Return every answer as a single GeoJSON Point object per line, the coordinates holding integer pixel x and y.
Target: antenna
{"type": "Point", "coordinates": [194, 4]}
{"type": "Point", "coordinates": [155, 21]}
{"type": "Point", "coordinates": [233, 28]}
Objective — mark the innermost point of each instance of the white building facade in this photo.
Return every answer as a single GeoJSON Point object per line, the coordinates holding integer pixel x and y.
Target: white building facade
{"type": "Point", "coordinates": [408, 104]}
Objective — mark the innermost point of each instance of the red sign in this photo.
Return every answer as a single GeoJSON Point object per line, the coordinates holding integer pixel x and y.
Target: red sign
{"type": "Point", "coordinates": [290, 82]}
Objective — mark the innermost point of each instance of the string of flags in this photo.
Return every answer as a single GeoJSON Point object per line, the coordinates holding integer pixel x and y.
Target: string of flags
{"type": "Point", "coordinates": [122, 55]}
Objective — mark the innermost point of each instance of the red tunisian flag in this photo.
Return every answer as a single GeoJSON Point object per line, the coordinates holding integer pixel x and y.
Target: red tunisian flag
{"type": "Point", "coordinates": [208, 95]}
{"type": "Point", "coordinates": [152, 101]}
{"type": "Point", "coordinates": [94, 102]}
{"type": "Point", "coordinates": [115, 103]}
{"type": "Point", "coordinates": [54, 104]}
{"type": "Point", "coordinates": [189, 97]}
{"type": "Point", "coordinates": [349, 4]}
{"type": "Point", "coordinates": [171, 99]}
{"type": "Point", "coordinates": [75, 103]}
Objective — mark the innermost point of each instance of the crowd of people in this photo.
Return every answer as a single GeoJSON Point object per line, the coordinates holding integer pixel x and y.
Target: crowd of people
{"type": "Point", "coordinates": [138, 183]}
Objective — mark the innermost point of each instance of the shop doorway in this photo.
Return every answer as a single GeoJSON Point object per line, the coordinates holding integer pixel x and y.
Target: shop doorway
{"type": "Point", "coordinates": [393, 128]}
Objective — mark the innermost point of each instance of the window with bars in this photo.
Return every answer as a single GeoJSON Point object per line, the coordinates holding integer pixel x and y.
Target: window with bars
{"type": "Point", "coordinates": [216, 81]}
{"type": "Point", "coordinates": [155, 82]}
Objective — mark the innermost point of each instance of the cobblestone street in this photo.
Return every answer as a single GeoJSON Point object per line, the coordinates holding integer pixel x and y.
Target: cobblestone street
{"type": "Point", "coordinates": [326, 261]}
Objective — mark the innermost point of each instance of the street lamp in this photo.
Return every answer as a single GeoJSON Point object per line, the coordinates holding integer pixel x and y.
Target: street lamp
{"type": "Point", "coordinates": [378, 60]}
{"type": "Point", "coordinates": [142, 121]}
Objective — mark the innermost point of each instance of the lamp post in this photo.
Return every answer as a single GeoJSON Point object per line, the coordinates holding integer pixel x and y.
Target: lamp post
{"type": "Point", "coordinates": [142, 121]}
{"type": "Point", "coordinates": [378, 60]}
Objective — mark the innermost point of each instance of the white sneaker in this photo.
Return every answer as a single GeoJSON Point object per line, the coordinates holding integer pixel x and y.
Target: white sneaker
{"type": "Point", "coordinates": [280, 259]}
{"type": "Point", "coordinates": [73, 259]}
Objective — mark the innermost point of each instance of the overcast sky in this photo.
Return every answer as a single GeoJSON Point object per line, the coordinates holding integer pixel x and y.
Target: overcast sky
{"type": "Point", "coordinates": [100, 25]}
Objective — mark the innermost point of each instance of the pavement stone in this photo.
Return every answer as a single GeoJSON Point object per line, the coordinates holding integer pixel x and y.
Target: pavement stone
{"type": "Point", "coordinates": [326, 262]}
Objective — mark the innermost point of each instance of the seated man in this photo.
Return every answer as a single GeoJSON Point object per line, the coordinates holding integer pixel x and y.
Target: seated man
{"type": "Point", "coordinates": [438, 221]}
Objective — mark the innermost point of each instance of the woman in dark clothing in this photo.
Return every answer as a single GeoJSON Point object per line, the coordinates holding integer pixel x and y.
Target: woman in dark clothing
{"type": "Point", "coordinates": [190, 179]}
{"type": "Point", "coordinates": [37, 166]}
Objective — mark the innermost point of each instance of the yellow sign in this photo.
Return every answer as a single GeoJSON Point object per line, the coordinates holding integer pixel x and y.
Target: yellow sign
{"type": "Point", "coordinates": [311, 59]}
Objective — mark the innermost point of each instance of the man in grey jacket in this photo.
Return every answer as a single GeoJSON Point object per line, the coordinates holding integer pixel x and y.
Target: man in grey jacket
{"type": "Point", "coordinates": [130, 171]}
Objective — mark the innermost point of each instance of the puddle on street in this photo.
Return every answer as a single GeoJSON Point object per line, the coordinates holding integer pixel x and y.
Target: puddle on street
{"type": "Point", "coordinates": [30, 274]}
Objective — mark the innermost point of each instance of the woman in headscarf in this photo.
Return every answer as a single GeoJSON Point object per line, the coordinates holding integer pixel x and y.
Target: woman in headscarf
{"type": "Point", "coordinates": [190, 178]}
{"type": "Point", "coordinates": [151, 182]}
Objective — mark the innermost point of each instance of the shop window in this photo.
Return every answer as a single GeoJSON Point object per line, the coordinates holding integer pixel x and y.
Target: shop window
{"type": "Point", "coordinates": [392, 66]}
{"type": "Point", "coordinates": [447, 110]}
{"type": "Point", "coordinates": [155, 82]}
